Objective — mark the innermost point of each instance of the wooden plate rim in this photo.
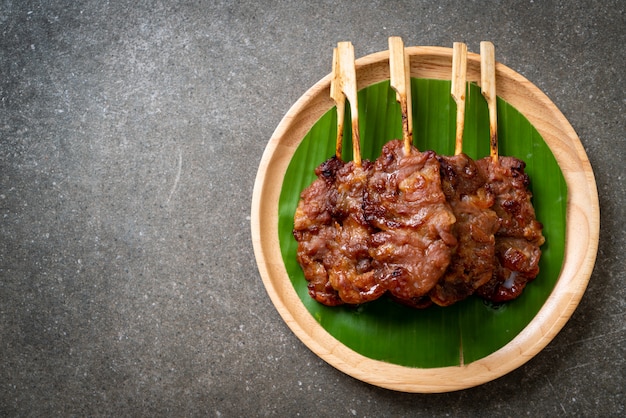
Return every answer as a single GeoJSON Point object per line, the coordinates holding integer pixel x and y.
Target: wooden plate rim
{"type": "Point", "coordinates": [582, 222]}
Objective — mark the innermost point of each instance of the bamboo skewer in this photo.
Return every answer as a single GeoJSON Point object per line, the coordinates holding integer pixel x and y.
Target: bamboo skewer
{"type": "Point", "coordinates": [409, 103]}
{"type": "Point", "coordinates": [400, 79]}
{"type": "Point", "coordinates": [458, 90]}
{"type": "Point", "coordinates": [347, 85]}
{"type": "Point", "coordinates": [340, 101]}
{"type": "Point", "coordinates": [488, 89]}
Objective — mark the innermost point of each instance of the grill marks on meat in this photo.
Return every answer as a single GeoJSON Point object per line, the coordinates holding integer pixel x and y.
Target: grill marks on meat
{"type": "Point", "coordinates": [420, 227]}
{"type": "Point", "coordinates": [473, 258]}
{"type": "Point", "coordinates": [333, 237]}
{"type": "Point", "coordinates": [351, 272]}
{"type": "Point", "coordinates": [405, 202]}
{"type": "Point", "coordinates": [314, 228]}
{"type": "Point", "coordinates": [520, 234]}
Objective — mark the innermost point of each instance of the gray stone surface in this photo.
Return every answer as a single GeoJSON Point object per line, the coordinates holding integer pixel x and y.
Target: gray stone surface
{"type": "Point", "coordinates": [130, 136]}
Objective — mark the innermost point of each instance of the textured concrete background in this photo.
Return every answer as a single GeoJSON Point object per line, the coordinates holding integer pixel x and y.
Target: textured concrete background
{"type": "Point", "coordinates": [130, 136]}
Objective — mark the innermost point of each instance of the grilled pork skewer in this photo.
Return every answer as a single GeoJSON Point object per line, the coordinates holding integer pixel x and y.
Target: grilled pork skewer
{"type": "Point", "coordinates": [351, 273]}
{"type": "Point", "coordinates": [333, 248]}
{"type": "Point", "coordinates": [468, 194]}
{"type": "Point", "coordinates": [405, 201]}
{"type": "Point", "coordinates": [520, 234]}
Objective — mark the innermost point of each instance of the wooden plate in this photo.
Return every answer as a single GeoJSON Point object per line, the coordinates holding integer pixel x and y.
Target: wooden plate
{"type": "Point", "coordinates": [580, 252]}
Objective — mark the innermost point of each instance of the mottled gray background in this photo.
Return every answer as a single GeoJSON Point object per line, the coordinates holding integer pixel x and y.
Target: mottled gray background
{"type": "Point", "coordinates": [130, 136]}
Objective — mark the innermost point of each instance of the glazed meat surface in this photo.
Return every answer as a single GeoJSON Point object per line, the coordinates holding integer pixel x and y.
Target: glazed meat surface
{"type": "Point", "coordinates": [473, 259]}
{"type": "Point", "coordinates": [351, 272]}
{"type": "Point", "coordinates": [405, 202]}
{"type": "Point", "coordinates": [520, 234]}
{"type": "Point", "coordinates": [314, 228]}
{"type": "Point", "coordinates": [333, 237]}
{"type": "Point", "coordinates": [422, 228]}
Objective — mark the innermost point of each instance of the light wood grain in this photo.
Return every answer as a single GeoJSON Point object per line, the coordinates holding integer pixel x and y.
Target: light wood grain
{"type": "Point", "coordinates": [340, 101]}
{"type": "Point", "coordinates": [488, 89]}
{"type": "Point", "coordinates": [348, 83]}
{"type": "Point", "coordinates": [400, 81]}
{"type": "Point", "coordinates": [457, 91]}
{"type": "Point", "coordinates": [581, 234]}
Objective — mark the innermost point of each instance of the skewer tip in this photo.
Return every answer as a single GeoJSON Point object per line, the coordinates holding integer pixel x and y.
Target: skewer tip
{"type": "Point", "coordinates": [488, 89]}
{"type": "Point", "coordinates": [337, 95]}
{"type": "Point", "coordinates": [400, 81]}
{"type": "Point", "coordinates": [348, 85]}
{"type": "Point", "coordinates": [458, 89]}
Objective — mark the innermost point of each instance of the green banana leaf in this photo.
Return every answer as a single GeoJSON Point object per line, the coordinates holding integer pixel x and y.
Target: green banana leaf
{"type": "Point", "coordinates": [471, 329]}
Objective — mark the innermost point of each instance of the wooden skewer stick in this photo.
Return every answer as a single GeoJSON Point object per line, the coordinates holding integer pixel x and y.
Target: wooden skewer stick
{"type": "Point", "coordinates": [347, 71]}
{"type": "Point", "coordinates": [400, 79]}
{"type": "Point", "coordinates": [458, 90]}
{"type": "Point", "coordinates": [340, 101]}
{"type": "Point", "coordinates": [488, 89]}
{"type": "Point", "coordinates": [409, 104]}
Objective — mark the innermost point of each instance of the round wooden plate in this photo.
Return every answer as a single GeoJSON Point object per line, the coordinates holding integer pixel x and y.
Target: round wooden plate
{"type": "Point", "coordinates": [582, 229]}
